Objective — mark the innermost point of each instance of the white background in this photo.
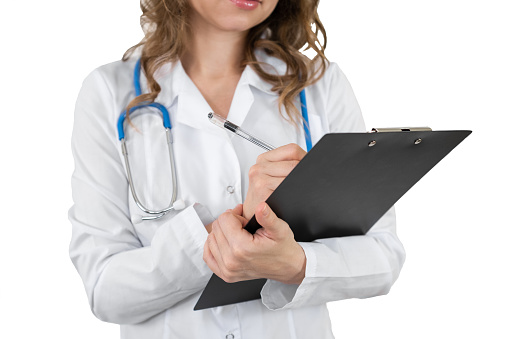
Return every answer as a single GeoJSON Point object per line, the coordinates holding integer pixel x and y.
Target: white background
{"type": "Point", "coordinates": [442, 63]}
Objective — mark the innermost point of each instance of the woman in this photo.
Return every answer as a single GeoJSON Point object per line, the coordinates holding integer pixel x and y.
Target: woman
{"type": "Point", "coordinates": [239, 59]}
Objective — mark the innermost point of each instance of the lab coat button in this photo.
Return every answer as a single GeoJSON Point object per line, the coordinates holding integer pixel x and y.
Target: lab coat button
{"type": "Point", "coordinates": [230, 189]}
{"type": "Point", "coordinates": [230, 336]}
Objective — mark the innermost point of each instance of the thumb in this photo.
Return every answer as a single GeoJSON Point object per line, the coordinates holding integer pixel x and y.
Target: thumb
{"type": "Point", "coordinates": [269, 220]}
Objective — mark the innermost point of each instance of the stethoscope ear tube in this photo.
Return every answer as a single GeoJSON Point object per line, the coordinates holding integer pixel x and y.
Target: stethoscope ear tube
{"type": "Point", "coordinates": [173, 205]}
{"type": "Point", "coordinates": [123, 116]}
{"type": "Point", "coordinates": [137, 77]}
{"type": "Point", "coordinates": [305, 122]}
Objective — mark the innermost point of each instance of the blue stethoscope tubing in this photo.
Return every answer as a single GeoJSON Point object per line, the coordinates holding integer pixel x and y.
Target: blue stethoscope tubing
{"type": "Point", "coordinates": [174, 204]}
{"type": "Point", "coordinates": [305, 122]}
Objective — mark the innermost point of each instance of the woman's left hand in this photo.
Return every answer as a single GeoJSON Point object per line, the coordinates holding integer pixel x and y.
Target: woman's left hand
{"type": "Point", "coordinates": [234, 254]}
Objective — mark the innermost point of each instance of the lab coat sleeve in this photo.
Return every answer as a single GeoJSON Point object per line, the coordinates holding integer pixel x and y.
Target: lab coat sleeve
{"type": "Point", "coordinates": [125, 282]}
{"type": "Point", "coordinates": [346, 267]}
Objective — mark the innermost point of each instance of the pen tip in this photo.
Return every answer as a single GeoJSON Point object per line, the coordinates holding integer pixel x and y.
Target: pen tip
{"type": "Point", "coordinates": [210, 115]}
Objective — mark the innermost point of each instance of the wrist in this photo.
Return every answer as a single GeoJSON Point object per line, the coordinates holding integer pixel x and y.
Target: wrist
{"type": "Point", "coordinates": [301, 267]}
{"type": "Point", "coordinates": [296, 267]}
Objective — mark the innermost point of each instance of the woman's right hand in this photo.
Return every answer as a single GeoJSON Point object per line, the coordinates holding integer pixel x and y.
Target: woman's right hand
{"type": "Point", "coordinates": [270, 170]}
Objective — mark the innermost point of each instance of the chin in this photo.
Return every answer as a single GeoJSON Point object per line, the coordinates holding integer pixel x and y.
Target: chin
{"type": "Point", "coordinates": [224, 15]}
{"type": "Point", "coordinates": [239, 22]}
{"type": "Point", "coordinates": [237, 25]}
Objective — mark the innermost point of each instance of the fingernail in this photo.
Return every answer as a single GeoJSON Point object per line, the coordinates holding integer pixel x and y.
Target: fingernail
{"type": "Point", "coordinates": [265, 210]}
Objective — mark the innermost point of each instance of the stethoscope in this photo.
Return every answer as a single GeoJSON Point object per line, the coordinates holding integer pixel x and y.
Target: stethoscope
{"type": "Point", "coordinates": [174, 203]}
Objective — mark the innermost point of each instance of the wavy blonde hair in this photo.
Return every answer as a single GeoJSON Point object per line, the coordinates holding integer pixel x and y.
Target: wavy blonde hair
{"type": "Point", "coordinates": [292, 26]}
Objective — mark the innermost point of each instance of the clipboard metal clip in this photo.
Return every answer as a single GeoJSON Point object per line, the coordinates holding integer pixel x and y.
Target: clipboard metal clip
{"type": "Point", "coordinates": [400, 129]}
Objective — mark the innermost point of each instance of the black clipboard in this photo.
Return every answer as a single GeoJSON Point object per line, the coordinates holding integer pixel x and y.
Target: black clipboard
{"type": "Point", "coordinates": [341, 188]}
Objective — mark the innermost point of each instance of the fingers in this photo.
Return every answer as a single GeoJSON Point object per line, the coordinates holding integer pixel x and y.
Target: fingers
{"type": "Point", "coordinates": [219, 237]}
{"type": "Point", "coordinates": [273, 226]}
{"type": "Point", "coordinates": [242, 220]}
{"type": "Point", "coordinates": [217, 250]}
{"type": "Point", "coordinates": [286, 152]}
{"type": "Point", "coordinates": [209, 258]}
{"type": "Point", "coordinates": [234, 255]}
{"type": "Point", "coordinates": [264, 215]}
{"type": "Point", "coordinates": [238, 213]}
{"type": "Point", "coordinates": [232, 227]}
{"type": "Point", "coordinates": [266, 175]}
{"type": "Point", "coordinates": [273, 168]}
{"type": "Point", "coordinates": [238, 209]}
{"type": "Point", "coordinates": [266, 184]}
{"type": "Point", "coordinates": [224, 246]}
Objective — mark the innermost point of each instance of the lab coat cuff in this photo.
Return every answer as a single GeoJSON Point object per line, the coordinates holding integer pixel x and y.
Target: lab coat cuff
{"type": "Point", "coordinates": [203, 213]}
{"type": "Point", "coordinates": [277, 295]}
{"type": "Point", "coordinates": [188, 229]}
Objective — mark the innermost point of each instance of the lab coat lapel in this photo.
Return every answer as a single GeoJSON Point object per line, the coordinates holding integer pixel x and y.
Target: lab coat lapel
{"type": "Point", "coordinates": [242, 101]}
{"type": "Point", "coordinates": [192, 108]}
{"type": "Point", "coordinates": [178, 90]}
{"type": "Point", "coordinates": [243, 98]}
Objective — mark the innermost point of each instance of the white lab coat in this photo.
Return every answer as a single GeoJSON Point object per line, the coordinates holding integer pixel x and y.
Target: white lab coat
{"type": "Point", "coordinates": [147, 277]}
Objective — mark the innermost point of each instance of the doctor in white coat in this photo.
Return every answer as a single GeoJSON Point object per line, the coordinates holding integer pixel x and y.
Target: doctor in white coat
{"type": "Point", "coordinates": [239, 59]}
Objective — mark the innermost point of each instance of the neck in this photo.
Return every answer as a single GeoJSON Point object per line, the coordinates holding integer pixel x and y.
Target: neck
{"type": "Point", "coordinates": [211, 53]}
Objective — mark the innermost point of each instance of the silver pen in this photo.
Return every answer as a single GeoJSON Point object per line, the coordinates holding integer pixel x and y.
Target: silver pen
{"type": "Point", "coordinates": [222, 122]}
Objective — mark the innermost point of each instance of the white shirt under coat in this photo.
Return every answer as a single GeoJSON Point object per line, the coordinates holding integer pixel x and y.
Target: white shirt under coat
{"type": "Point", "coordinates": [147, 277]}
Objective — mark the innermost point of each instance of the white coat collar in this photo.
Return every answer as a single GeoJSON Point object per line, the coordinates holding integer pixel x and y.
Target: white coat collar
{"type": "Point", "coordinates": [192, 109]}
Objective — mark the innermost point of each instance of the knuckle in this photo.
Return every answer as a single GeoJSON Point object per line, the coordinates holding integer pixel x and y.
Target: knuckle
{"type": "Point", "coordinates": [296, 151]}
{"type": "Point", "coordinates": [254, 171]}
{"type": "Point", "coordinates": [223, 219]}
{"type": "Point", "coordinates": [259, 184]}
{"type": "Point", "coordinates": [260, 158]}
{"type": "Point", "coordinates": [230, 264]}
{"type": "Point", "coordinates": [238, 252]}
{"type": "Point", "coordinates": [229, 277]}
{"type": "Point", "coordinates": [231, 218]}
{"type": "Point", "coordinates": [220, 220]}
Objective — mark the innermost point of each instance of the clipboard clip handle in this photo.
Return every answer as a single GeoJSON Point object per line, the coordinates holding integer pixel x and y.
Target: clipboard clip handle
{"type": "Point", "coordinates": [400, 129]}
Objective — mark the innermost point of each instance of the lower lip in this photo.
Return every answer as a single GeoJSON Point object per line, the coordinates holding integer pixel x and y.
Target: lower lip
{"type": "Point", "coordinates": [246, 4]}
